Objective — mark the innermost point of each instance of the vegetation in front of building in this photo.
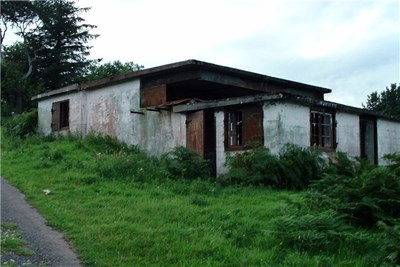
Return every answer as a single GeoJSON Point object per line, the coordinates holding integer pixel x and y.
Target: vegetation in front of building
{"type": "Point", "coordinates": [121, 207]}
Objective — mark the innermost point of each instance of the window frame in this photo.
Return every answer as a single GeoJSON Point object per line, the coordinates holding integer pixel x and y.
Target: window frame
{"type": "Point", "coordinates": [248, 123]}
{"type": "Point", "coordinates": [60, 112]}
{"type": "Point", "coordinates": [321, 130]}
{"type": "Point", "coordinates": [235, 128]}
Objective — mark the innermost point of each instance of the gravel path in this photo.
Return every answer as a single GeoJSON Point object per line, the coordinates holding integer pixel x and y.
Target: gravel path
{"type": "Point", "coordinates": [49, 247]}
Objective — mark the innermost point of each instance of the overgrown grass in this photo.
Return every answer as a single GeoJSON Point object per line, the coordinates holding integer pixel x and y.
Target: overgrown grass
{"type": "Point", "coordinates": [121, 208]}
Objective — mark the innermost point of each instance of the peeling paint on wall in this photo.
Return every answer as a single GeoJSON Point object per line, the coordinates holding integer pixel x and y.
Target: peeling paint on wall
{"type": "Point", "coordinates": [286, 123]}
{"type": "Point", "coordinates": [348, 133]}
{"type": "Point", "coordinates": [106, 116]}
{"type": "Point", "coordinates": [388, 139]}
{"type": "Point", "coordinates": [220, 142]}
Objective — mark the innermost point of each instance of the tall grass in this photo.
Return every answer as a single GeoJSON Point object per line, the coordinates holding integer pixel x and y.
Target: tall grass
{"type": "Point", "coordinates": [120, 207]}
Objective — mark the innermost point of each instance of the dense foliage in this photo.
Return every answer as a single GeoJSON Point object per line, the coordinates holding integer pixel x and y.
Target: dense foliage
{"type": "Point", "coordinates": [53, 51]}
{"type": "Point", "coordinates": [21, 125]}
{"type": "Point", "coordinates": [99, 71]}
{"type": "Point", "coordinates": [387, 101]}
{"type": "Point", "coordinates": [293, 168]}
{"type": "Point", "coordinates": [185, 163]}
{"type": "Point", "coordinates": [349, 199]}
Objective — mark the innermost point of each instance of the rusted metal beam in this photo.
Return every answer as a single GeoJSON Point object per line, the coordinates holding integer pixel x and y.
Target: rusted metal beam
{"type": "Point", "coordinates": [137, 112]}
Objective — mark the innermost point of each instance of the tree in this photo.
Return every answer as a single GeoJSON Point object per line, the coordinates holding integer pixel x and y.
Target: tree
{"type": "Point", "coordinates": [97, 71]}
{"type": "Point", "coordinates": [387, 101]}
{"type": "Point", "coordinates": [53, 51]}
{"type": "Point", "coordinates": [64, 39]}
{"type": "Point", "coordinates": [16, 85]}
{"type": "Point", "coordinates": [19, 15]}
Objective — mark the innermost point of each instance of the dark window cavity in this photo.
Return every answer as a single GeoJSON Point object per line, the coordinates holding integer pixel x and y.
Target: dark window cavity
{"type": "Point", "coordinates": [235, 124]}
{"type": "Point", "coordinates": [60, 116]}
{"type": "Point", "coordinates": [322, 130]}
{"type": "Point", "coordinates": [244, 126]}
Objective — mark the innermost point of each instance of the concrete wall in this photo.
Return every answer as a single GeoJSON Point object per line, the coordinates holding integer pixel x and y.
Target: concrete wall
{"type": "Point", "coordinates": [348, 133]}
{"type": "Point", "coordinates": [220, 142]}
{"type": "Point", "coordinates": [75, 113]}
{"type": "Point", "coordinates": [108, 110]}
{"type": "Point", "coordinates": [285, 123]}
{"type": "Point", "coordinates": [388, 139]}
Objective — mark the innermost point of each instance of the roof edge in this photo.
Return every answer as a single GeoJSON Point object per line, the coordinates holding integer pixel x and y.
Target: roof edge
{"type": "Point", "coordinates": [181, 65]}
{"type": "Point", "coordinates": [63, 90]}
{"type": "Point", "coordinates": [233, 101]}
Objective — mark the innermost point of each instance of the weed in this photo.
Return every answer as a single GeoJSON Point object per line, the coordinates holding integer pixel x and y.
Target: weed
{"type": "Point", "coordinates": [183, 163]}
{"type": "Point", "coordinates": [11, 241]}
{"type": "Point", "coordinates": [21, 125]}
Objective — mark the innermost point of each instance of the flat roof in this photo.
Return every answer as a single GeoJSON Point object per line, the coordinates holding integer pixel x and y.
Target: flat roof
{"type": "Point", "coordinates": [175, 68]}
{"type": "Point", "coordinates": [190, 106]}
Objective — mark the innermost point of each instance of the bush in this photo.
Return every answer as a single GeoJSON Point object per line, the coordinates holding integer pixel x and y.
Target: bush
{"type": "Point", "coordinates": [294, 168]}
{"type": "Point", "coordinates": [106, 144]}
{"type": "Point", "coordinates": [22, 125]}
{"type": "Point", "coordinates": [253, 167]}
{"type": "Point", "coordinates": [365, 199]}
{"type": "Point", "coordinates": [301, 165]}
{"type": "Point", "coordinates": [185, 163]}
{"type": "Point", "coordinates": [311, 232]}
{"type": "Point", "coordinates": [390, 245]}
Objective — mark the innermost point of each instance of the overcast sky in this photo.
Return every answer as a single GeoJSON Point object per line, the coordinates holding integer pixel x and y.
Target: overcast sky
{"type": "Point", "coordinates": [351, 47]}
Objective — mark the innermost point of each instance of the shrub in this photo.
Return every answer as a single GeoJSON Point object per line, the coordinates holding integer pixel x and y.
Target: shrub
{"type": "Point", "coordinates": [294, 168]}
{"type": "Point", "coordinates": [390, 244]}
{"type": "Point", "coordinates": [301, 165]}
{"type": "Point", "coordinates": [21, 125]}
{"type": "Point", "coordinates": [372, 196]}
{"type": "Point", "coordinates": [185, 163]}
{"type": "Point", "coordinates": [253, 167]}
{"type": "Point", "coordinates": [311, 232]}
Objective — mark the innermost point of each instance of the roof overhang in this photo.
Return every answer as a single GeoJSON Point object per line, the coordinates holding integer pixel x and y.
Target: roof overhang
{"type": "Point", "coordinates": [194, 74]}
{"type": "Point", "coordinates": [191, 106]}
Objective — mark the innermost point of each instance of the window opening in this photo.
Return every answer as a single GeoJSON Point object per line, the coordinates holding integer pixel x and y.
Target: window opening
{"type": "Point", "coordinates": [64, 114]}
{"type": "Point", "coordinates": [235, 128]}
{"type": "Point", "coordinates": [321, 129]}
{"type": "Point", "coordinates": [60, 116]}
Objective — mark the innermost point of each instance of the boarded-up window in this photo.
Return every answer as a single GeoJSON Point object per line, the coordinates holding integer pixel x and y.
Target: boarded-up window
{"type": "Point", "coordinates": [60, 116]}
{"type": "Point", "coordinates": [244, 126]}
{"type": "Point", "coordinates": [322, 129]}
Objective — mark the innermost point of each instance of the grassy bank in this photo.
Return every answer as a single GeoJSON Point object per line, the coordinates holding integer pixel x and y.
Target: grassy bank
{"type": "Point", "coordinates": [119, 209]}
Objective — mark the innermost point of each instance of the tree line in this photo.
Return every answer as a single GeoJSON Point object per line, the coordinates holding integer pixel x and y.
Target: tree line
{"type": "Point", "coordinates": [54, 48]}
{"type": "Point", "coordinates": [52, 52]}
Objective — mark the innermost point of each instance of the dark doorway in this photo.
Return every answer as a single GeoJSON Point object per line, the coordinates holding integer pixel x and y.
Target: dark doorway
{"type": "Point", "coordinates": [201, 136]}
{"type": "Point", "coordinates": [368, 139]}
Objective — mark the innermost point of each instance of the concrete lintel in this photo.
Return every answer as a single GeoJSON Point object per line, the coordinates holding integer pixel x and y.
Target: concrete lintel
{"type": "Point", "coordinates": [66, 89]}
{"type": "Point", "coordinates": [224, 102]}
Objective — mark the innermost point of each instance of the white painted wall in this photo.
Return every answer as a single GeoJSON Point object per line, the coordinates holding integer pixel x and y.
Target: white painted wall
{"type": "Point", "coordinates": [75, 112]}
{"type": "Point", "coordinates": [107, 110]}
{"type": "Point", "coordinates": [220, 142]}
{"type": "Point", "coordinates": [348, 133]}
{"type": "Point", "coordinates": [285, 123]}
{"type": "Point", "coordinates": [388, 139]}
